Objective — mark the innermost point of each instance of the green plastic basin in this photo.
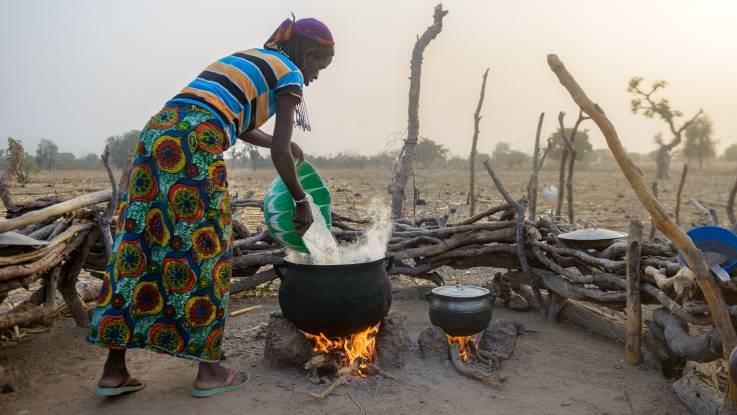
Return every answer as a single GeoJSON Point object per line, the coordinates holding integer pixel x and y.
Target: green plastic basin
{"type": "Point", "coordinates": [279, 206]}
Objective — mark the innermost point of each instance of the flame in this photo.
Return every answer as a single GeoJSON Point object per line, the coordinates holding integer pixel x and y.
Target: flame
{"type": "Point", "coordinates": [462, 341]}
{"type": "Point", "coordinates": [358, 346]}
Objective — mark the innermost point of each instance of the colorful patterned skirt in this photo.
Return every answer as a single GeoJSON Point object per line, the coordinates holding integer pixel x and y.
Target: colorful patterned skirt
{"type": "Point", "coordinates": [167, 283]}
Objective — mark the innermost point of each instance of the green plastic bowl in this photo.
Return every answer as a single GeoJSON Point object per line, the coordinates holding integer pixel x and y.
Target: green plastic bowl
{"type": "Point", "coordinates": [279, 206]}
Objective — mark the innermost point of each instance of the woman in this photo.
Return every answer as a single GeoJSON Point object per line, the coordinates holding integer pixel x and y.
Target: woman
{"type": "Point", "coordinates": [167, 283]}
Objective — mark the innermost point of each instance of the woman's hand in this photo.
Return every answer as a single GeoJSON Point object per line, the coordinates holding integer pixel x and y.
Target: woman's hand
{"type": "Point", "coordinates": [302, 217]}
{"type": "Point", "coordinates": [297, 152]}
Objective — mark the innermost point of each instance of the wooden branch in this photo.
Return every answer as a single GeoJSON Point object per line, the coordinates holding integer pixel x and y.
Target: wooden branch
{"type": "Point", "coordinates": [652, 226]}
{"type": "Point", "coordinates": [253, 281]}
{"type": "Point", "coordinates": [474, 142]}
{"type": "Point", "coordinates": [47, 255]}
{"type": "Point", "coordinates": [564, 154]}
{"type": "Point", "coordinates": [632, 351]}
{"type": "Point", "coordinates": [520, 231]}
{"type": "Point", "coordinates": [35, 309]}
{"type": "Point", "coordinates": [399, 182]}
{"type": "Point", "coordinates": [708, 213]}
{"type": "Point", "coordinates": [680, 191]}
{"type": "Point", "coordinates": [477, 217]}
{"type": "Point", "coordinates": [457, 240]}
{"type": "Point", "coordinates": [700, 349]}
{"type": "Point", "coordinates": [55, 210]}
{"type": "Point", "coordinates": [693, 255]}
{"type": "Point", "coordinates": [112, 204]}
{"type": "Point", "coordinates": [487, 378]}
{"type": "Point", "coordinates": [730, 204]}
{"type": "Point", "coordinates": [70, 274]}
{"type": "Point", "coordinates": [536, 165]}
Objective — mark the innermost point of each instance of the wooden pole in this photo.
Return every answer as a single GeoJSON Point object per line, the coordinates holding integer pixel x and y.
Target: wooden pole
{"type": "Point", "coordinates": [474, 142]}
{"type": "Point", "coordinates": [55, 210]}
{"type": "Point", "coordinates": [536, 165]}
{"type": "Point", "coordinates": [694, 257]}
{"type": "Point", "coordinates": [399, 182]}
{"type": "Point", "coordinates": [632, 351]}
{"type": "Point", "coordinates": [680, 191]}
{"type": "Point", "coordinates": [652, 226]}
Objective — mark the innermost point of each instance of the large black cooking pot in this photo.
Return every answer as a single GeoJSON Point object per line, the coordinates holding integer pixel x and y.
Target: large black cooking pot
{"type": "Point", "coordinates": [336, 300]}
{"type": "Point", "coordinates": [460, 310]}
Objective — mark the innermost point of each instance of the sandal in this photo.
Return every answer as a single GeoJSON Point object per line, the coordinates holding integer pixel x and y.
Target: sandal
{"type": "Point", "coordinates": [129, 385]}
{"type": "Point", "coordinates": [227, 387]}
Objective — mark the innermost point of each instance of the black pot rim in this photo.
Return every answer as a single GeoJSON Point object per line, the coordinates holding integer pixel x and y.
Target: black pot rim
{"type": "Point", "coordinates": [330, 267]}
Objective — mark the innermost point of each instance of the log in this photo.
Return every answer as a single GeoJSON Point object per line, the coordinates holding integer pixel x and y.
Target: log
{"type": "Point", "coordinates": [675, 330]}
{"type": "Point", "coordinates": [70, 275]}
{"type": "Point", "coordinates": [27, 316]}
{"type": "Point", "coordinates": [708, 213]}
{"type": "Point", "coordinates": [680, 191]}
{"type": "Point", "coordinates": [536, 165]}
{"type": "Point", "coordinates": [247, 283]}
{"type": "Point", "coordinates": [399, 182]}
{"type": "Point", "coordinates": [699, 396]}
{"type": "Point", "coordinates": [474, 142]}
{"type": "Point", "coordinates": [694, 257]}
{"type": "Point", "coordinates": [51, 257]}
{"type": "Point", "coordinates": [55, 210]}
{"type": "Point", "coordinates": [457, 240]}
{"type": "Point", "coordinates": [632, 350]}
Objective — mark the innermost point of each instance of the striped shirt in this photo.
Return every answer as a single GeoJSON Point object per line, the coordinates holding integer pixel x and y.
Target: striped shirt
{"type": "Point", "coordinates": [241, 89]}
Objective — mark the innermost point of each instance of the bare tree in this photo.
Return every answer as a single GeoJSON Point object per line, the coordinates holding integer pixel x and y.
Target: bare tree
{"type": "Point", "coordinates": [474, 142]}
{"type": "Point", "coordinates": [406, 157]}
{"type": "Point", "coordinates": [567, 162]}
{"type": "Point", "coordinates": [537, 163]}
{"type": "Point", "coordinates": [646, 104]}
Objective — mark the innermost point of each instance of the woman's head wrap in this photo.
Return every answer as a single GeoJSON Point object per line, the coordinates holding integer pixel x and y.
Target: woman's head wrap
{"type": "Point", "coordinates": [309, 28]}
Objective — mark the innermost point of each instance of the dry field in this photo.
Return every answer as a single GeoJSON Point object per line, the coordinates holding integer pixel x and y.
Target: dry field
{"type": "Point", "coordinates": [557, 369]}
{"type": "Point", "coordinates": [602, 197]}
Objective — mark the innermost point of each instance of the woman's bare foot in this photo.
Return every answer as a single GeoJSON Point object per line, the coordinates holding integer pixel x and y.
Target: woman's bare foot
{"type": "Point", "coordinates": [213, 375]}
{"type": "Point", "coordinates": [115, 372]}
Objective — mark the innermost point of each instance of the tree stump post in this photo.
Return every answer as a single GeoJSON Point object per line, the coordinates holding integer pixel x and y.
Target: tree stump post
{"type": "Point", "coordinates": [406, 160]}
{"type": "Point", "coordinates": [632, 350]}
{"type": "Point", "coordinates": [474, 142]}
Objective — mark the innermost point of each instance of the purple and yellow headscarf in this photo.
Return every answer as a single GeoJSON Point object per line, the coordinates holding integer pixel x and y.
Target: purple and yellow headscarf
{"type": "Point", "coordinates": [309, 28]}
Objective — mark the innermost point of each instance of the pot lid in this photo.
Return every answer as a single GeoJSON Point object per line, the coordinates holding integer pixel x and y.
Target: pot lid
{"type": "Point", "coordinates": [460, 291]}
{"type": "Point", "coordinates": [592, 234]}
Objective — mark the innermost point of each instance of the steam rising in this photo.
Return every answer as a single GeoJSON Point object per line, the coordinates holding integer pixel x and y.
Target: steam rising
{"type": "Point", "coordinates": [324, 250]}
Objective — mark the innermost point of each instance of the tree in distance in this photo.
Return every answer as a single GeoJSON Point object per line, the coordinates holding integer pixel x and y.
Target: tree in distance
{"type": "Point", "coordinates": [699, 141]}
{"type": "Point", "coordinates": [46, 154]}
{"type": "Point", "coordinates": [428, 151]}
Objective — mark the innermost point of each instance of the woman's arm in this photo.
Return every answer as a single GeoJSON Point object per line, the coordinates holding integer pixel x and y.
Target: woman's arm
{"type": "Point", "coordinates": [262, 139]}
{"type": "Point", "coordinates": [281, 156]}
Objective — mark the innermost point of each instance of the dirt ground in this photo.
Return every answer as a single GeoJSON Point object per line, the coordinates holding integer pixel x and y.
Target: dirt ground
{"type": "Point", "coordinates": [556, 369]}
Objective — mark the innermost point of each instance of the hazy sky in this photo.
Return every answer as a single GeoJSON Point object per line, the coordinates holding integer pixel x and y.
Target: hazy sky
{"type": "Point", "coordinates": [77, 72]}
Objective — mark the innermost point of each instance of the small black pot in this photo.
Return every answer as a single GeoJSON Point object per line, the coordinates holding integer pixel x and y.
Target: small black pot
{"type": "Point", "coordinates": [460, 310]}
{"type": "Point", "coordinates": [335, 300]}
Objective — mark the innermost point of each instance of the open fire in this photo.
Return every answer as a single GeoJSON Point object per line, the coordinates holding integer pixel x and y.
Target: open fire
{"type": "Point", "coordinates": [358, 349]}
{"type": "Point", "coordinates": [463, 344]}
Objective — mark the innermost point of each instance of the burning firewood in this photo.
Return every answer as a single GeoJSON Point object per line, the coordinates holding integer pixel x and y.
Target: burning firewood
{"type": "Point", "coordinates": [487, 378]}
{"type": "Point", "coordinates": [343, 374]}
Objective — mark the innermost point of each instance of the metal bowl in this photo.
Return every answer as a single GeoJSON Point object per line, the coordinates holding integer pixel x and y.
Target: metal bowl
{"type": "Point", "coordinates": [591, 238]}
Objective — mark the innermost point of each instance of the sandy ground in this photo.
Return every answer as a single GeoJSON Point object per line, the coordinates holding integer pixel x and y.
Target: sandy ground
{"type": "Point", "coordinates": [557, 369]}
